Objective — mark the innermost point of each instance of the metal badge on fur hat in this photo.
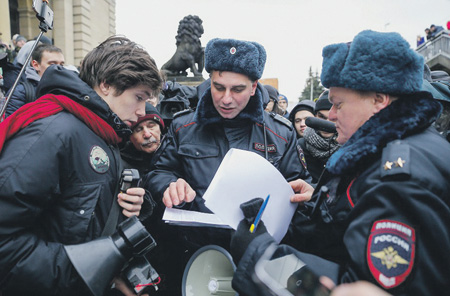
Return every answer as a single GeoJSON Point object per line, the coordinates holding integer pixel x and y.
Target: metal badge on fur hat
{"type": "Point", "coordinates": [380, 62]}
{"type": "Point", "coordinates": [244, 57]}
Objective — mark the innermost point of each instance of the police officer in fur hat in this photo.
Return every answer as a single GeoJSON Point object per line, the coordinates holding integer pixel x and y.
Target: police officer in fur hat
{"type": "Point", "coordinates": [381, 211]}
{"type": "Point", "coordinates": [229, 114]}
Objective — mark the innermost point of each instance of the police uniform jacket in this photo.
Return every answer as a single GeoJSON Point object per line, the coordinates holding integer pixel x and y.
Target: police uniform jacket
{"type": "Point", "coordinates": [197, 142]}
{"type": "Point", "coordinates": [57, 185]}
{"type": "Point", "coordinates": [382, 208]}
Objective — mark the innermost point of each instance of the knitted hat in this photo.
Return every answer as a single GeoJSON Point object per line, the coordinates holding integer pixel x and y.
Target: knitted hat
{"type": "Point", "coordinates": [21, 38]}
{"type": "Point", "coordinates": [44, 39]}
{"type": "Point", "coordinates": [380, 62]}
{"type": "Point", "coordinates": [302, 105]}
{"type": "Point", "coordinates": [283, 97]}
{"type": "Point", "coordinates": [273, 92]}
{"type": "Point", "coordinates": [244, 57]}
{"type": "Point", "coordinates": [150, 113]}
{"type": "Point", "coordinates": [323, 103]}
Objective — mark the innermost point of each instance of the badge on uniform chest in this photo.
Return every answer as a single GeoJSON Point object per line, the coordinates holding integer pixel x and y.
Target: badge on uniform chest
{"type": "Point", "coordinates": [271, 148]}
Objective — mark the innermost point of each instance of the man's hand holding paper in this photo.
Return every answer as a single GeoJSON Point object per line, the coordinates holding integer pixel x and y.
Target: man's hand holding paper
{"type": "Point", "coordinates": [244, 175]}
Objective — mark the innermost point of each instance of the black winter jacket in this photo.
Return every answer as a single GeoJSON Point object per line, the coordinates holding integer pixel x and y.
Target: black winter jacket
{"type": "Point", "coordinates": [385, 218]}
{"type": "Point", "coordinates": [25, 91]}
{"type": "Point", "coordinates": [314, 165]}
{"type": "Point", "coordinates": [57, 185]}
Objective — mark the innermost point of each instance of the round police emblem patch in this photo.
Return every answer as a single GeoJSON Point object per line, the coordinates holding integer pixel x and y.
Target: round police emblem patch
{"type": "Point", "coordinates": [99, 160]}
{"type": "Point", "coordinates": [390, 252]}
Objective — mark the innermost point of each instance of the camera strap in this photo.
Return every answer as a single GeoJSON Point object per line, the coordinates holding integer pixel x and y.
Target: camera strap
{"type": "Point", "coordinates": [113, 217]}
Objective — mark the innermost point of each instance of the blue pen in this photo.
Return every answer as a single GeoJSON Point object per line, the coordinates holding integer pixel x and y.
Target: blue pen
{"type": "Point", "coordinates": [258, 217]}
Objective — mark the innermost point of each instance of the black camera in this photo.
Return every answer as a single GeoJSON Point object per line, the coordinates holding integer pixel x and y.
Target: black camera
{"type": "Point", "coordinates": [98, 261]}
{"type": "Point", "coordinates": [138, 272]}
{"type": "Point", "coordinates": [44, 14]}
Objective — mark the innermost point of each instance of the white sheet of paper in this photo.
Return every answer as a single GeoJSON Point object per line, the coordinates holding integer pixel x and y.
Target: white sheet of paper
{"type": "Point", "coordinates": [242, 176]}
{"type": "Point", "coordinates": [191, 218]}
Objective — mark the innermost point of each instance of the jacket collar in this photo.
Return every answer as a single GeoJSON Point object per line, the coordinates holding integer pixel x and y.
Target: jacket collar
{"type": "Point", "coordinates": [206, 113]}
{"type": "Point", "coordinates": [404, 117]}
{"type": "Point", "coordinates": [60, 81]}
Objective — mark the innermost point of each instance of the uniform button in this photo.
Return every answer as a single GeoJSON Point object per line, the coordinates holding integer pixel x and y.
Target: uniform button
{"type": "Point", "coordinates": [82, 212]}
{"type": "Point", "coordinates": [197, 153]}
{"type": "Point", "coordinates": [86, 98]}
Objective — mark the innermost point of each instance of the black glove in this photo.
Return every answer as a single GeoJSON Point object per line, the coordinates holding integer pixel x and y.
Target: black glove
{"type": "Point", "coordinates": [242, 238]}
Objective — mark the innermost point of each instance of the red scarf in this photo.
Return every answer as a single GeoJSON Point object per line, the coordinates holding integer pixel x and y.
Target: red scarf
{"type": "Point", "coordinates": [48, 105]}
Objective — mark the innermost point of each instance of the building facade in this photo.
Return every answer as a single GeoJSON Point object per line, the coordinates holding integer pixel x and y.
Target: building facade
{"type": "Point", "coordinates": [78, 25]}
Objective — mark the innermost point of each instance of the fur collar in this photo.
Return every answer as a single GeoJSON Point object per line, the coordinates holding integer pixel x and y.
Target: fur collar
{"type": "Point", "coordinates": [206, 113]}
{"type": "Point", "coordinates": [404, 117]}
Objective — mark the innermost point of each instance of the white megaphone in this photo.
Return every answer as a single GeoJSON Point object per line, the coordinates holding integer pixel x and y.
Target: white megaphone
{"type": "Point", "coordinates": [209, 272]}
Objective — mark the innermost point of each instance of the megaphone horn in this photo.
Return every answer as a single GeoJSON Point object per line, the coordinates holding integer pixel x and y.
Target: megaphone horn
{"type": "Point", "coordinates": [98, 261]}
{"type": "Point", "coordinates": [209, 272]}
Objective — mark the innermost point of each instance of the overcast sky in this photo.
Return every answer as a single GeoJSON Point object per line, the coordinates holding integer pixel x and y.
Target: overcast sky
{"type": "Point", "coordinates": [293, 32]}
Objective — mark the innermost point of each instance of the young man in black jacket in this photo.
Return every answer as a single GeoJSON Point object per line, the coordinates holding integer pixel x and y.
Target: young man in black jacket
{"type": "Point", "coordinates": [59, 165]}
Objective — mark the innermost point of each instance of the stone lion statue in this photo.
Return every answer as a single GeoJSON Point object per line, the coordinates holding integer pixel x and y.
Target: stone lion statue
{"type": "Point", "coordinates": [189, 51]}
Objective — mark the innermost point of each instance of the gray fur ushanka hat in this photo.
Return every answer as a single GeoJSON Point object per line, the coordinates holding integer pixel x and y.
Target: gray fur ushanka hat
{"type": "Point", "coordinates": [373, 61]}
{"type": "Point", "coordinates": [244, 57]}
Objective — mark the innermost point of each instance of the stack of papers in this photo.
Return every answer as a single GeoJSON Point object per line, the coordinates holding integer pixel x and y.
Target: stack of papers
{"type": "Point", "coordinates": [191, 218]}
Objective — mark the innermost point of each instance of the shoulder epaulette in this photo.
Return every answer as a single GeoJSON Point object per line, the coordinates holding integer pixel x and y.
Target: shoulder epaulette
{"type": "Point", "coordinates": [395, 159]}
{"type": "Point", "coordinates": [281, 119]}
{"type": "Point", "coordinates": [182, 112]}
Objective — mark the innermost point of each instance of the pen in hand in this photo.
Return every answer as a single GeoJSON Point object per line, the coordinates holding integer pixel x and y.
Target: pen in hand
{"type": "Point", "coordinates": [258, 216]}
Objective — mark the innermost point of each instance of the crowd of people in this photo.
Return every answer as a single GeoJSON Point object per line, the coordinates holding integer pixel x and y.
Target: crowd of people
{"type": "Point", "coordinates": [431, 33]}
{"type": "Point", "coordinates": [372, 204]}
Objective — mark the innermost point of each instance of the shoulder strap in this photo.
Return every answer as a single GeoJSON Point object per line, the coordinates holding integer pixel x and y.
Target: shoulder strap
{"type": "Point", "coordinates": [395, 160]}
{"type": "Point", "coordinates": [113, 217]}
{"type": "Point", "coordinates": [182, 112]}
{"type": "Point", "coordinates": [281, 119]}
{"type": "Point", "coordinates": [30, 92]}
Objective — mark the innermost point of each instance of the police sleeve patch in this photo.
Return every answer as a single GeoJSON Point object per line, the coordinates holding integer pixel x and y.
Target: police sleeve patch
{"type": "Point", "coordinates": [390, 252]}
